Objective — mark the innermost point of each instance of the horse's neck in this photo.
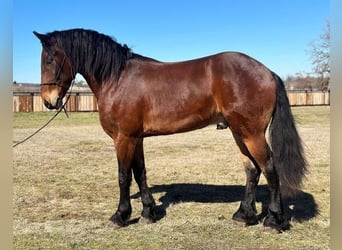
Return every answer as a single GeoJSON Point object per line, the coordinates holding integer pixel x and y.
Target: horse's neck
{"type": "Point", "coordinates": [92, 83]}
{"type": "Point", "coordinates": [91, 80]}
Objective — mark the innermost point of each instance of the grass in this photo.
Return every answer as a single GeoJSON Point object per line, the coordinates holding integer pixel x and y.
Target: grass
{"type": "Point", "coordinates": [312, 115]}
{"type": "Point", "coordinates": [37, 119]}
{"type": "Point", "coordinates": [65, 189]}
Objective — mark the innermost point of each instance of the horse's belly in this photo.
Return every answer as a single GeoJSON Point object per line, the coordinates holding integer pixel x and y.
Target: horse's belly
{"type": "Point", "coordinates": [172, 124]}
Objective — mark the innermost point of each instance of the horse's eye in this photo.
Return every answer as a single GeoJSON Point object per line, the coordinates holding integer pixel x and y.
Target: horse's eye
{"type": "Point", "coordinates": [49, 60]}
{"type": "Point", "coordinates": [50, 57]}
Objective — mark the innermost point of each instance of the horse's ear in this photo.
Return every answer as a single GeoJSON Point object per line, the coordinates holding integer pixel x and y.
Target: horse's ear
{"type": "Point", "coordinates": [41, 37]}
{"type": "Point", "coordinates": [37, 34]}
{"type": "Point", "coordinates": [46, 40]}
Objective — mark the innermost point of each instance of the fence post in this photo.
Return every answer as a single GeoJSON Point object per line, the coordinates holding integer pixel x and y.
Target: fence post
{"type": "Point", "coordinates": [77, 101]}
{"type": "Point", "coordinates": [32, 102]}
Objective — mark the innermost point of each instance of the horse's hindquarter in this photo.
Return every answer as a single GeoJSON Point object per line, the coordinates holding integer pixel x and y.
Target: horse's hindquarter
{"type": "Point", "coordinates": [246, 92]}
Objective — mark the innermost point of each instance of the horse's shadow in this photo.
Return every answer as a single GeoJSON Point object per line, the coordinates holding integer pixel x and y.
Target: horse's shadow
{"type": "Point", "coordinates": [301, 208]}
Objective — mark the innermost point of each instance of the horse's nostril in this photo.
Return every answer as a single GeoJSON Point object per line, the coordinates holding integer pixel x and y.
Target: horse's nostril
{"type": "Point", "coordinates": [48, 105]}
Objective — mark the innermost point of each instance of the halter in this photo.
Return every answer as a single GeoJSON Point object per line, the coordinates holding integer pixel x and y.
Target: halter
{"type": "Point", "coordinates": [56, 83]}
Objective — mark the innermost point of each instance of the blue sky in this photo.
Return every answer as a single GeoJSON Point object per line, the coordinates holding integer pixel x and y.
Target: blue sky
{"type": "Point", "coordinates": [277, 33]}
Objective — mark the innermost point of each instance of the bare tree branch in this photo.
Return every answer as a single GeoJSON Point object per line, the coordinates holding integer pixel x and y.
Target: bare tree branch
{"type": "Point", "coordinates": [320, 55]}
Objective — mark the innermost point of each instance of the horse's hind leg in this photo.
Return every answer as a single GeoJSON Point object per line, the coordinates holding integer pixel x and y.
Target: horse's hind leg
{"type": "Point", "coordinates": [139, 171]}
{"type": "Point", "coordinates": [275, 216]}
{"type": "Point", "coordinates": [262, 155]}
{"type": "Point", "coordinates": [247, 212]}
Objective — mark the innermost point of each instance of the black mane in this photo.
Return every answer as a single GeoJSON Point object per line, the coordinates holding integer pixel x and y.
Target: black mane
{"type": "Point", "coordinates": [92, 52]}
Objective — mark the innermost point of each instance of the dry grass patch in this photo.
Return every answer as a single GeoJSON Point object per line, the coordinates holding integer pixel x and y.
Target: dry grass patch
{"type": "Point", "coordinates": [65, 189]}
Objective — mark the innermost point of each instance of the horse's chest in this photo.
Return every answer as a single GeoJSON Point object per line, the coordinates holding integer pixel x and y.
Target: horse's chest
{"type": "Point", "coordinates": [120, 117]}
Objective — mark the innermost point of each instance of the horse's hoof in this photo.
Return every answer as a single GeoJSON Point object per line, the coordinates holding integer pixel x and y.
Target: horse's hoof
{"type": "Point", "coordinates": [276, 226]}
{"type": "Point", "coordinates": [117, 221]}
{"type": "Point", "coordinates": [272, 230]}
{"type": "Point", "coordinates": [239, 216]}
{"type": "Point", "coordinates": [248, 220]}
{"type": "Point", "coordinates": [144, 220]}
{"type": "Point", "coordinates": [113, 225]}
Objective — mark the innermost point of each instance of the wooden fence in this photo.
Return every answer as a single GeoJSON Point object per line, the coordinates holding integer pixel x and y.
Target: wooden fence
{"type": "Point", "coordinates": [32, 102]}
{"type": "Point", "coordinates": [308, 98]}
{"type": "Point", "coordinates": [86, 101]}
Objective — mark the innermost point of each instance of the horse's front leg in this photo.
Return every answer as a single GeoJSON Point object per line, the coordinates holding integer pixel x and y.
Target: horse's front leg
{"type": "Point", "coordinates": [139, 170]}
{"type": "Point", "coordinates": [125, 147]}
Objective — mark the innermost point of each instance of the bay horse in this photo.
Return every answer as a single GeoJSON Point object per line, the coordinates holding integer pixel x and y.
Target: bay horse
{"type": "Point", "coordinates": [140, 97]}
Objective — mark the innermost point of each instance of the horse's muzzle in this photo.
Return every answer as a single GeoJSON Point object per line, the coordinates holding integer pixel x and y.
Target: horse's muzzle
{"type": "Point", "coordinates": [58, 105]}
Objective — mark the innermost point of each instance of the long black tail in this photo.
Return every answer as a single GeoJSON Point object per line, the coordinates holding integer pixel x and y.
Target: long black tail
{"type": "Point", "coordinates": [288, 154]}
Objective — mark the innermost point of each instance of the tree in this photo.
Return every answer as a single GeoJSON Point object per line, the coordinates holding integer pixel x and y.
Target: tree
{"type": "Point", "coordinates": [320, 55]}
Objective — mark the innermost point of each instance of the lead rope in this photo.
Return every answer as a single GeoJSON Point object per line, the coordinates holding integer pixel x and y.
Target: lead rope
{"type": "Point", "coordinates": [50, 120]}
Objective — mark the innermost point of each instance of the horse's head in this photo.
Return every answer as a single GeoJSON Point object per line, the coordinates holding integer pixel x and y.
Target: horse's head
{"type": "Point", "coordinates": [56, 72]}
